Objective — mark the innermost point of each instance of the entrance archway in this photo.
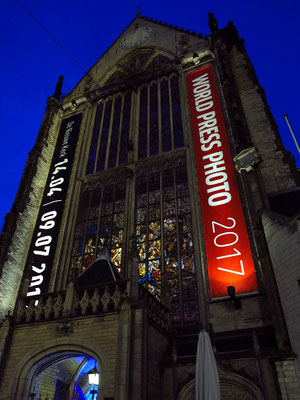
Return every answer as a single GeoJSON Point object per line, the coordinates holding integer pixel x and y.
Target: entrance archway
{"type": "Point", "coordinates": [59, 372]}
{"type": "Point", "coordinates": [64, 377]}
{"type": "Point", "coordinates": [233, 386]}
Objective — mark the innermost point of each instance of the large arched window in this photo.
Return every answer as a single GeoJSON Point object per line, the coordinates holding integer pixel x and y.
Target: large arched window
{"type": "Point", "coordinates": [160, 122]}
{"type": "Point", "coordinates": [139, 128]}
{"type": "Point", "coordinates": [100, 216]}
{"type": "Point", "coordinates": [165, 239]}
{"type": "Point", "coordinates": [109, 145]}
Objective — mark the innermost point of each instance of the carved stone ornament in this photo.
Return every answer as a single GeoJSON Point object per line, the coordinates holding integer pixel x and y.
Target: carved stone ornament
{"type": "Point", "coordinates": [159, 163]}
{"type": "Point", "coordinates": [198, 58]}
{"type": "Point", "coordinates": [246, 159]}
{"type": "Point", "coordinates": [117, 175]}
{"type": "Point", "coordinates": [65, 328]}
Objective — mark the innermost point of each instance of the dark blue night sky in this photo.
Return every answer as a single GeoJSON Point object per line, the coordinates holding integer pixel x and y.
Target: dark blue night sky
{"type": "Point", "coordinates": [31, 62]}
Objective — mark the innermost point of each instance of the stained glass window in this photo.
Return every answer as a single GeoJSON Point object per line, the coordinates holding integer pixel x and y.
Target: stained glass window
{"type": "Point", "coordinates": [143, 123]}
{"type": "Point", "coordinates": [110, 137]}
{"type": "Point", "coordinates": [100, 217]}
{"type": "Point", "coordinates": [154, 138]}
{"type": "Point", "coordinates": [93, 147]}
{"type": "Point", "coordinates": [104, 136]}
{"type": "Point", "coordinates": [124, 140]}
{"type": "Point", "coordinates": [165, 241]}
{"type": "Point", "coordinates": [165, 117]}
{"type": "Point", "coordinates": [159, 125]}
{"type": "Point", "coordinates": [160, 122]}
{"type": "Point", "coordinates": [176, 113]}
{"type": "Point", "coordinates": [115, 134]}
{"type": "Point", "coordinates": [162, 208]}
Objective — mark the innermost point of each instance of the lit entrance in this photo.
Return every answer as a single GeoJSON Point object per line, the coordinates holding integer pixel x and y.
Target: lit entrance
{"type": "Point", "coordinates": [66, 376]}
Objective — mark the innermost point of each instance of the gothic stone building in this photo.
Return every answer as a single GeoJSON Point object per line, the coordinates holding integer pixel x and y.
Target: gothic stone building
{"type": "Point", "coordinates": [146, 212]}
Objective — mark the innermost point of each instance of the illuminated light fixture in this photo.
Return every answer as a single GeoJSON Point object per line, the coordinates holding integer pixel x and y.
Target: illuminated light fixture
{"type": "Point", "coordinates": [93, 375]}
{"type": "Point", "coordinates": [231, 294]}
{"type": "Point", "coordinates": [247, 159]}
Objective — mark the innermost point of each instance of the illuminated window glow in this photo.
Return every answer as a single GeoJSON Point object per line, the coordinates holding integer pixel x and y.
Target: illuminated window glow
{"type": "Point", "coordinates": [165, 242]}
{"type": "Point", "coordinates": [100, 216]}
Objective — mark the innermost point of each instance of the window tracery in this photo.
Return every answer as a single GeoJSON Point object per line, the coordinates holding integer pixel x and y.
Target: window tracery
{"type": "Point", "coordinates": [162, 207]}
{"type": "Point", "coordinates": [160, 120]}
{"type": "Point", "coordinates": [109, 144]}
{"type": "Point", "coordinates": [165, 241]}
{"type": "Point", "coordinates": [159, 125]}
{"type": "Point", "coordinates": [100, 217]}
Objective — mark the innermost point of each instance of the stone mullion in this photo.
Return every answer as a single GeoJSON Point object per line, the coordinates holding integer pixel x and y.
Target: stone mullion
{"type": "Point", "coordinates": [147, 232]}
{"type": "Point", "coordinates": [162, 239]}
{"type": "Point", "coordinates": [112, 116]}
{"type": "Point", "coordinates": [159, 118]}
{"type": "Point", "coordinates": [171, 113]}
{"type": "Point", "coordinates": [85, 229]}
{"type": "Point", "coordinates": [178, 252]}
{"type": "Point", "coordinates": [136, 100]}
{"type": "Point", "coordinates": [99, 137]}
{"type": "Point", "coordinates": [148, 121]}
{"type": "Point", "coordinates": [128, 225]}
{"type": "Point", "coordinates": [112, 216]}
{"type": "Point", "coordinates": [130, 196]}
{"type": "Point", "coordinates": [99, 221]}
{"type": "Point", "coordinates": [120, 130]}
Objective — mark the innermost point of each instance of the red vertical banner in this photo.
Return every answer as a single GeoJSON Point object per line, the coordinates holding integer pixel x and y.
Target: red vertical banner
{"type": "Point", "coordinates": [228, 252]}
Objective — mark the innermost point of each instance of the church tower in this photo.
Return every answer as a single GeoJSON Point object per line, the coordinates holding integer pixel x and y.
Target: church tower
{"type": "Point", "coordinates": [141, 220]}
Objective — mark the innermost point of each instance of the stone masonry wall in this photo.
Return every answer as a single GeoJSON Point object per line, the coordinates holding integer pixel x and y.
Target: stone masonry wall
{"type": "Point", "coordinates": [17, 252]}
{"type": "Point", "coordinates": [283, 238]}
{"type": "Point", "coordinates": [263, 129]}
{"type": "Point", "coordinates": [157, 345]}
{"type": "Point", "coordinates": [45, 383]}
{"type": "Point", "coordinates": [224, 317]}
{"type": "Point", "coordinates": [31, 341]}
{"type": "Point", "coordinates": [288, 381]}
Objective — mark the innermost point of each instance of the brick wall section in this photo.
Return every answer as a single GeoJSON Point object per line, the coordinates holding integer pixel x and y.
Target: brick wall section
{"type": "Point", "coordinates": [98, 332]}
{"type": "Point", "coordinates": [45, 383]}
{"type": "Point", "coordinates": [157, 345]}
{"type": "Point", "coordinates": [263, 129]}
{"type": "Point", "coordinates": [283, 237]}
{"type": "Point", "coordinates": [12, 269]}
{"type": "Point", "coordinates": [224, 317]}
{"type": "Point", "coordinates": [288, 381]}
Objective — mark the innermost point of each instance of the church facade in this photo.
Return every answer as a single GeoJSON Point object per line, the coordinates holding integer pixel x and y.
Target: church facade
{"type": "Point", "coordinates": [145, 215]}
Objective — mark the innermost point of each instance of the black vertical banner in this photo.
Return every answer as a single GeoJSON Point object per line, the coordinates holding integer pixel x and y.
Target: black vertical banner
{"type": "Point", "coordinates": [49, 218]}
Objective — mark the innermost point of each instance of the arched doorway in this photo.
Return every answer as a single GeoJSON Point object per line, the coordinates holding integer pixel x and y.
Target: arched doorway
{"type": "Point", "coordinates": [233, 386]}
{"type": "Point", "coordinates": [64, 376]}
{"type": "Point", "coordinates": [60, 371]}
